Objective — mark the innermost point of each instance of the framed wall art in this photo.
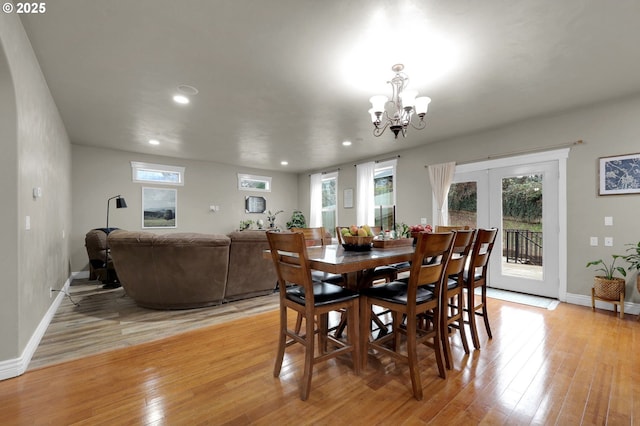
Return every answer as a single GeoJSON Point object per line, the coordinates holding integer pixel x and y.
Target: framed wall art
{"type": "Point", "coordinates": [255, 204]}
{"type": "Point", "coordinates": [159, 208]}
{"type": "Point", "coordinates": [619, 174]}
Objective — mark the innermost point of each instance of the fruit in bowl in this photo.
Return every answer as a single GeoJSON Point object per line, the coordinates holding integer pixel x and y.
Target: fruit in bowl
{"type": "Point", "coordinates": [357, 237]}
{"type": "Point", "coordinates": [415, 229]}
{"type": "Point", "coordinates": [420, 228]}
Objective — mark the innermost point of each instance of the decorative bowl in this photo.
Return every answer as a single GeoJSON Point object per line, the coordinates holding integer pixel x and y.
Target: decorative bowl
{"type": "Point", "coordinates": [357, 243]}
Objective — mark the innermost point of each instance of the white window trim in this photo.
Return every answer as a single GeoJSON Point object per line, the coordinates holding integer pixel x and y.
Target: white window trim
{"type": "Point", "coordinates": [136, 166]}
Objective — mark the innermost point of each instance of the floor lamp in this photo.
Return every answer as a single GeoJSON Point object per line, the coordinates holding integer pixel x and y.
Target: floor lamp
{"type": "Point", "coordinates": [120, 204]}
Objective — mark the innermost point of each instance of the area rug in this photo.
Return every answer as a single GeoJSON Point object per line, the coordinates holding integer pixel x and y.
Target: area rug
{"type": "Point", "coordinates": [522, 298]}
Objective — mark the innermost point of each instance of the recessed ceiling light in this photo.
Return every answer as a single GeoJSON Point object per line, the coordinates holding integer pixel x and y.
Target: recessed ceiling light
{"type": "Point", "coordinates": [346, 143]}
{"type": "Point", "coordinates": [154, 142]}
{"type": "Point", "coordinates": [284, 163]}
{"type": "Point", "coordinates": [181, 99]}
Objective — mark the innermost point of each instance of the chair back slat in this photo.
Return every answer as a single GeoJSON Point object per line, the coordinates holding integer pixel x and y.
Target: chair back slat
{"type": "Point", "coordinates": [432, 253]}
{"type": "Point", "coordinates": [313, 236]}
{"type": "Point", "coordinates": [462, 243]}
{"type": "Point", "coordinates": [451, 228]}
{"type": "Point", "coordinates": [482, 248]}
{"type": "Point", "coordinates": [289, 254]}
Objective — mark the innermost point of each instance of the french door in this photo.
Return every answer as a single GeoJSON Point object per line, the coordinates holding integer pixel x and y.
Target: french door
{"type": "Point", "coordinates": [523, 202]}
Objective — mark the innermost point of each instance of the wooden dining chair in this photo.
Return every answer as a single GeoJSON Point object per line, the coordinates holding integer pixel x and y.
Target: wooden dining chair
{"type": "Point", "coordinates": [314, 236]}
{"type": "Point", "coordinates": [319, 237]}
{"type": "Point", "coordinates": [313, 300]}
{"type": "Point", "coordinates": [454, 293]}
{"type": "Point", "coordinates": [408, 300]}
{"type": "Point", "coordinates": [475, 276]}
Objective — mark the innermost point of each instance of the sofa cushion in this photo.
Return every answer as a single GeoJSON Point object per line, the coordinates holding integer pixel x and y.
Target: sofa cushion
{"type": "Point", "coordinates": [250, 272]}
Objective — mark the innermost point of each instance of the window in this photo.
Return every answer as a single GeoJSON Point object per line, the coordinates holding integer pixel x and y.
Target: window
{"type": "Point", "coordinates": [330, 202]}
{"type": "Point", "coordinates": [254, 183]}
{"type": "Point", "coordinates": [157, 173]}
{"type": "Point", "coordinates": [384, 193]}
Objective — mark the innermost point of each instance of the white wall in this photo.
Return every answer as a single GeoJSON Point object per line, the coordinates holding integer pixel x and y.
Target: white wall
{"type": "Point", "coordinates": [99, 174]}
{"type": "Point", "coordinates": [607, 129]}
{"type": "Point", "coordinates": [35, 153]}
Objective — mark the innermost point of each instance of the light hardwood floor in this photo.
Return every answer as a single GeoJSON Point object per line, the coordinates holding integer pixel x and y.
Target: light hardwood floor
{"type": "Point", "coordinates": [95, 320]}
{"type": "Point", "coordinates": [568, 366]}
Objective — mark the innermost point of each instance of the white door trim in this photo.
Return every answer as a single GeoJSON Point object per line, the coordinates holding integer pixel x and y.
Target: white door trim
{"type": "Point", "coordinates": [559, 155]}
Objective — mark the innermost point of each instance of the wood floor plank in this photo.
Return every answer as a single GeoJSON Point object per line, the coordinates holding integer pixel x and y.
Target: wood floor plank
{"type": "Point", "coordinates": [566, 366]}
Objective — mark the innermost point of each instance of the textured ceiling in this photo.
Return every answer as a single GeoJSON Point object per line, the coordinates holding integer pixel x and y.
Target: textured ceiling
{"type": "Point", "coordinates": [290, 79]}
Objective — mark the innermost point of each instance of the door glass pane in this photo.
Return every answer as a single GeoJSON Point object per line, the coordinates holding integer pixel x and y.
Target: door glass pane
{"type": "Point", "coordinates": [463, 204]}
{"type": "Point", "coordinates": [522, 226]}
{"type": "Point", "coordinates": [384, 197]}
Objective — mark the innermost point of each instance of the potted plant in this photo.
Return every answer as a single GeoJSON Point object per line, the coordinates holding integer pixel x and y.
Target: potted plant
{"type": "Point", "coordinates": [297, 220]}
{"type": "Point", "coordinates": [608, 286]}
{"type": "Point", "coordinates": [245, 224]}
{"type": "Point", "coordinates": [271, 218]}
{"type": "Point", "coordinates": [633, 258]}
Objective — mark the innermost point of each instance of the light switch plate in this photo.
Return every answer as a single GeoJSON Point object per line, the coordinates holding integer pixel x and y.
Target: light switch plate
{"type": "Point", "coordinates": [593, 241]}
{"type": "Point", "coordinates": [608, 221]}
{"type": "Point", "coordinates": [423, 221]}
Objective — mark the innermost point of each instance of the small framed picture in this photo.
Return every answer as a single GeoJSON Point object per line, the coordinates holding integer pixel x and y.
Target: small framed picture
{"type": "Point", "coordinates": [347, 200]}
{"type": "Point", "coordinates": [159, 208]}
{"type": "Point", "coordinates": [619, 174]}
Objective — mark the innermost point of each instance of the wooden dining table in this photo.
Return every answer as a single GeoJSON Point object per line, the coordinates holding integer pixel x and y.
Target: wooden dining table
{"type": "Point", "coordinates": [356, 266]}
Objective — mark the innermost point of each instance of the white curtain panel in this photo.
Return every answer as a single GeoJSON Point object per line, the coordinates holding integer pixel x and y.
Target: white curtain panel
{"type": "Point", "coordinates": [441, 176]}
{"type": "Point", "coordinates": [365, 213]}
{"type": "Point", "coordinates": [315, 213]}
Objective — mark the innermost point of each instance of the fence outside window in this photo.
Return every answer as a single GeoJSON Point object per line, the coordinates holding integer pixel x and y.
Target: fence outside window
{"type": "Point", "coordinates": [522, 246]}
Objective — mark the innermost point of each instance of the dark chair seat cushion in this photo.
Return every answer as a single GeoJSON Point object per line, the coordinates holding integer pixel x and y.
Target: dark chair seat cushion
{"type": "Point", "coordinates": [326, 277]}
{"type": "Point", "coordinates": [323, 294]}
{"type": "Point", "coordinates": [476, 277]}
{"type": "Point", "coordinates": [384, 270]}
{"type": "Point", "coordinates": [396, 292]}
{"type": "Point", "coordinates": [451, 284]}
{"type": "Point", "coordinates": [402, 266]}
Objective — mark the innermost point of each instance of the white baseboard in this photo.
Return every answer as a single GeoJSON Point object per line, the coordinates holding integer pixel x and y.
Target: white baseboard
{"type": "Point", "coordinates": [582, 300]}
{"type": "Point", "coordinates": [17, 366]}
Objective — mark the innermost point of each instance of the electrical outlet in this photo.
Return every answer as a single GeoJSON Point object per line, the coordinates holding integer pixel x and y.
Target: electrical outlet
{"type": "Point", "coordinates": [423, 221]}
{"type": "Point", "coordinates": [608, 241]}
{"type": "Point", "coordinates": [594, 241]}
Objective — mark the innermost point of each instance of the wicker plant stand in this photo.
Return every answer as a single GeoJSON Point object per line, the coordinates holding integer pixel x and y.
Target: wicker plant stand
{"type": "Point", "coordinates": [638, 287]}
{"type": "Point", "coordinates": [611, 291]}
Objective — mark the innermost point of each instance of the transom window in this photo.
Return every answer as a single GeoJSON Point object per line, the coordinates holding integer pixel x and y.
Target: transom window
{"type": "Point", "coordinates": [157, 173]}
{"type": "Point", "coordinates": [254, 183]}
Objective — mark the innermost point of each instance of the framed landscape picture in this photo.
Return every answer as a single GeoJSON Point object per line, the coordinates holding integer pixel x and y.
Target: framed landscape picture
{"type": "Point", "coordinates": [620, 175]}
{"type": "Point", "coordinates": [159, 207]}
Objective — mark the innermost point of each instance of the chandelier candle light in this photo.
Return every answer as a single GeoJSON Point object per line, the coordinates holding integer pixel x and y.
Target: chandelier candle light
{"type": "Point", "coordinates": [398, 112]}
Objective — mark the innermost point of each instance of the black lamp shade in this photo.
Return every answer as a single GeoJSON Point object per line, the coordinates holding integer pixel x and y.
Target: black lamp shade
{"type": "Point", "coordinates": [121, 203]}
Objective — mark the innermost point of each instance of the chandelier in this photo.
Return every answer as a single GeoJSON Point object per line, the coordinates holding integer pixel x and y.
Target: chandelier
{"type": "Point", "coordinates": [397, 113]}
